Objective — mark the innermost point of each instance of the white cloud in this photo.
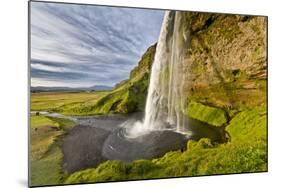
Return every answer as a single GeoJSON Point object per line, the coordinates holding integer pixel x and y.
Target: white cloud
{"type": "Point", "coordinates": [104, 42]}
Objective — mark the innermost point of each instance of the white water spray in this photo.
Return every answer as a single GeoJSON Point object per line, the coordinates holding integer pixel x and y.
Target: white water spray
{"type": "Point", "coordinates": [166, 101]}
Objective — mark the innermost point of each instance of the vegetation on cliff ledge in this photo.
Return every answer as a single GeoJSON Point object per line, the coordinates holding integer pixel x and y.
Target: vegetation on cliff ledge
{"type": "Point", "coordinates": [211, 115]}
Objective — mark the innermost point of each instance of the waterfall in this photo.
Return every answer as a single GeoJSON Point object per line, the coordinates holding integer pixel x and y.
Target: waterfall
{"type": "Point", "coordinates": [166, 100]}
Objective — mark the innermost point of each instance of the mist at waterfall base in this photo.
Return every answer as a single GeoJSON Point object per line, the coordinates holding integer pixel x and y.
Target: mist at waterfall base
{"type": "Point", "coordinates": [166, 101]}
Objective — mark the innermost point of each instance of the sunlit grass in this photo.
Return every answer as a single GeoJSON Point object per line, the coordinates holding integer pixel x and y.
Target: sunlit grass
{"type": "Point", "coordinates": [46, 101]}
{"type": "Point", "coordinates": [46, 155]}
{"type": "Point", "coordinates": [39, 121]}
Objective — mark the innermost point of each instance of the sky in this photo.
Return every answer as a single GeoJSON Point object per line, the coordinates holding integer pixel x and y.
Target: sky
{"type": "Point", "coordinates": [84, 45]}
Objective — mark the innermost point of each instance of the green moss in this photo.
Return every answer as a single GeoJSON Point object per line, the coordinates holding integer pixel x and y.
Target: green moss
{"type": "Point", "coordinates": [199, 160]}
{"type": "Point", "coordinates": [108, 171]}
{"type": "Point", "coordinates": [211, 115]}
{"type": "Point", "coordinates": [248, 125]}
{"type": "Point", "coordinates": [227, 158]}
{"type": "Point", "coordinates": [201, 144]}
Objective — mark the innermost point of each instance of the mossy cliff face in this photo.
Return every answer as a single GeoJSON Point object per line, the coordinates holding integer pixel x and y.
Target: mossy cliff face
{"type": "Point", "coordinates": [226, 63]}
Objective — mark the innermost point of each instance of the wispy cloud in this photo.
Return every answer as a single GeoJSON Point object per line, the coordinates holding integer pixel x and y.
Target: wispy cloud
{"type": "Point", "coordinates": [83, 45]}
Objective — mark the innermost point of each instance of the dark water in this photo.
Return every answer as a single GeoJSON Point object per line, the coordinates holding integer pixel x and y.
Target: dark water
{"type": "Point", "coordinates": [101, 138]}
{"type": "Point", "coordinates": [151, 145]}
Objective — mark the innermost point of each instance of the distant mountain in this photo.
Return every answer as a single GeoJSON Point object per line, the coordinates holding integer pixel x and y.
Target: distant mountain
{"type": "Point", "coordinates": [92, 88]}
{"type": "Point", "coordinates": [41, 88]}
{"type": "Point", "coordinates": [100, 88]}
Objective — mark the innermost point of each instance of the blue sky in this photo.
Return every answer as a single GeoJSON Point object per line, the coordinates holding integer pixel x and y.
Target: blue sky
{"type": "Point", "coordinates": [83, 45]}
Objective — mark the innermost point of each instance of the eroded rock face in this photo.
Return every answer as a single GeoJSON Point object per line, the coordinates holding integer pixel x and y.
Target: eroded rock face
{"type": "Point", "coordinates": [227, 64]}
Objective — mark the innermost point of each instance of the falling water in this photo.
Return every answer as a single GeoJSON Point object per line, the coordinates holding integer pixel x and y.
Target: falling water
{"type": "Point", "coordinates": [166, 100]}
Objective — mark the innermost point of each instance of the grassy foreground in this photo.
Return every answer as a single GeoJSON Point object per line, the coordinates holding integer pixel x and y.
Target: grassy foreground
{"type": "Point", "coordinates": [246, 152]}
{"type": "Point", "coordinates": [46, 155]}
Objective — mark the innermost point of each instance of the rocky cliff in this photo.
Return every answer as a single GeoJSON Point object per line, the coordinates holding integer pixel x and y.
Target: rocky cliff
{"type": "Point", "coordinates": [227, 60]}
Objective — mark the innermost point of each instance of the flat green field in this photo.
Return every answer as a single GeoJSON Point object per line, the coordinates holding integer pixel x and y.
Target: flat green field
{"type": "Point", "coordinates": [64, 102]}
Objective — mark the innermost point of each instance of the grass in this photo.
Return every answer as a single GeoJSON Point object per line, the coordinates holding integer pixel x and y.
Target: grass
{"type": "Point", "coordinates": [39, 121]}
{"type": "Point", "coordinates": [46, 155]}
{"type": "Point", "coordinates": [125, 99]}
{"type": "Point", "coordinates": [49, 101]}
{"type": "Point", "coordinates": [246, 152]}
{"type": "Point", "coordinates": [42, 139]}
{"type": "Point", "coordinates": [47, 170]}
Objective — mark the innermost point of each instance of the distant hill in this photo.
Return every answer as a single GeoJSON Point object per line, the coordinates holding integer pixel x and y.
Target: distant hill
{"type": "Point", "coordinates": [100, 88]}
{"type": "Point", "coordinates": [92, 88]}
